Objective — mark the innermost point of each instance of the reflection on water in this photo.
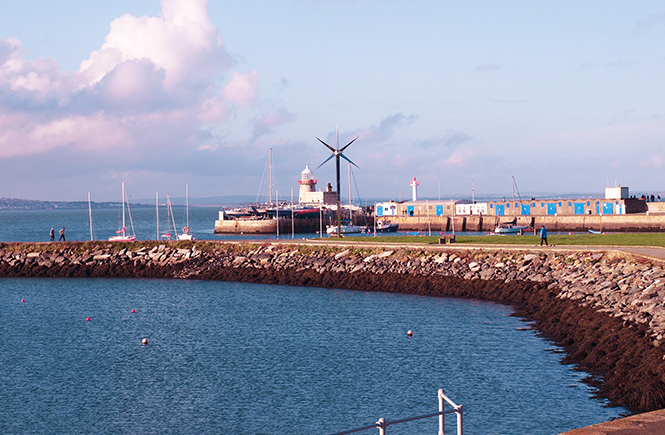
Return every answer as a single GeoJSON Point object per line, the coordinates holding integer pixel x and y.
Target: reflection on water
{"type": "Point", "coordinates": [233, 358]}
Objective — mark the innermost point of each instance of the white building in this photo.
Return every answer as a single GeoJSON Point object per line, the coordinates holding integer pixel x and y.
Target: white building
{"type": "Point", "coordinates": [386, 209]}
{"type": "Point", "coordinates": [309, 194]}
{"type": "Point", "coordinates": [471, 209]}
{"type": "Point", "coordinates": [616, 192]}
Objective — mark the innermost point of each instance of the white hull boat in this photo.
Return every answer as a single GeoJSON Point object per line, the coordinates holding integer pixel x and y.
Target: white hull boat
{"type": "Point", "coordinates": [346, 229]}
{"type": "Point", "coordinates": [122, 236]}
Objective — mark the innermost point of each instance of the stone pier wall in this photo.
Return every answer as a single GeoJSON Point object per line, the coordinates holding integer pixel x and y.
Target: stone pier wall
{"type": "Point", "coordinates": [576, 223]}
{"type": "Point", "coordinates": [607, 310]}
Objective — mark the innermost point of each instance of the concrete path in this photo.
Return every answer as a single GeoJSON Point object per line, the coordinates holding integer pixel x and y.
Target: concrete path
{"type": "Point", "coordinates": [653, 253]}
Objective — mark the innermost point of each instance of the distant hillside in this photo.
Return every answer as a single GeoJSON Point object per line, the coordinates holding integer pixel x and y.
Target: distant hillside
{"type": "Point", "coordinates": [29, 204]}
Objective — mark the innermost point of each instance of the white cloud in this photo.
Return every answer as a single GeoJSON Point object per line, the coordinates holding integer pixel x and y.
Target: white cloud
{"type": "Point", "coordinates": [241, 88]}
{"type": "Point", "coordinates": [154, 78]}
{"type": "Point", "coordinates": [182, 42]}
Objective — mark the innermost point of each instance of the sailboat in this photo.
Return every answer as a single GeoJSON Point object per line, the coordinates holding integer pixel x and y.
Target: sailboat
{"type": "Point", "coordinates": [186, 235]}
{"type": "Point", "coordinates": [170, 219]}
{"type": "Point", "coordinates": [511, 227]}
{"type": "Point", "coordinates": [121, 235]}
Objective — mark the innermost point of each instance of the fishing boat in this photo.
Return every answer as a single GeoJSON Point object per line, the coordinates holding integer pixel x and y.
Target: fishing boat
{"type": "Point", "coordinates": [186, 234]}
{"type": "Point", "coordinates": [385, 226]}
{"type": "Point", "coordinates": [122, 235]}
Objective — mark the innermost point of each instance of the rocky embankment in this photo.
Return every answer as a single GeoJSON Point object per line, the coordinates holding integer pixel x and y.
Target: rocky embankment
{"type": "Point", "coordinates": [606, 310]}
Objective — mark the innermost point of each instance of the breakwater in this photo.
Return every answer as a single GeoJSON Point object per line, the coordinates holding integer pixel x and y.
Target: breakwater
{"type": "Point", "coordinates": [605, 309]}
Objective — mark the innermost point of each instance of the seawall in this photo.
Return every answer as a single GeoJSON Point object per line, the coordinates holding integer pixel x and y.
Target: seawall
{"type": "Point", "coordinates": [606, 309]}
{"type": "Point", "coordinates": [577, 223]}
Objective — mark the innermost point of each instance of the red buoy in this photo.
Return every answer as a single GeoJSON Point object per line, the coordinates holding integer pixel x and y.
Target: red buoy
{"type": "Point", "coordinates": [133, 310]}
{"type": "Point", "coordinates": [22, 300]}
{"type": "Point", "coordinates": [87, 319]}
{"type": "Point", "coordinates": [409, 333]}
{"type": "Point", "coordinates": [144, 341]}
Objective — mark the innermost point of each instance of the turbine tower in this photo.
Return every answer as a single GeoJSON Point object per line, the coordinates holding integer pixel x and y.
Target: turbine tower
{"type": "Point", "coordinates": [337, 153]}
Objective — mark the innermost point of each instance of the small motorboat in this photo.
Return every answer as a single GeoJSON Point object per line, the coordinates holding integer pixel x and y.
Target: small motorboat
{"type": "Point", "coordinates": [509, 229]}
{"type": "Point", "coordinates": [385, 226]}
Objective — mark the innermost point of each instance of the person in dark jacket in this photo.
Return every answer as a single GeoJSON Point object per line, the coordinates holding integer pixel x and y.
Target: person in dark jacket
{"type": "Point", "coordinates": [543, 236]}
{"type": "Point", "coordinates": [52, 234]}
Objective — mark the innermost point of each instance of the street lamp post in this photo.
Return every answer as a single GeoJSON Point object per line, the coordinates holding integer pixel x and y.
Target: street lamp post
{"type": "Point", "coordinates": [399, 188]}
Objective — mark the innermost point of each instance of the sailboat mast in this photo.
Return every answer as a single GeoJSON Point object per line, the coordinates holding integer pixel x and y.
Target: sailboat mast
{"type": "Point", "coordinates": [157, 209]}
{"type": "Point", "coordinates": [350, 198]}
{"type": "Point", "coordinates": [123, 208]}
{"type": "Point", "coordinates": [514, 205]}
{"type": "Point", "coordinates": [270, 186]}
{"type": "Point", "coordinates": [90, 215]}
{"type": "Point", "coordinates": [187, 202]}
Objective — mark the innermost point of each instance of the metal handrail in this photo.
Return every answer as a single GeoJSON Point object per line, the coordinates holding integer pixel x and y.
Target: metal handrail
{"type": "Point", "coordinates": [382, 424]}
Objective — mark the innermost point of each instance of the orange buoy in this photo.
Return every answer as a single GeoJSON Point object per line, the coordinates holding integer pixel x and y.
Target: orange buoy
{"type": "Point", "coordinates": [144, 341]}
{"type": "Point", "coordinates": [409, 333]}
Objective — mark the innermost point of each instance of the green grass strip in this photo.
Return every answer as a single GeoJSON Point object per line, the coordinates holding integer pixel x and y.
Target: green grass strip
{"type": "Point", "coordinates": [613, 239]}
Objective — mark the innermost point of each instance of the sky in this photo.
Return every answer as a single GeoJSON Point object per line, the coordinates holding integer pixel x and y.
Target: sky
{"type": "Point", "coordinates": [566, 96]}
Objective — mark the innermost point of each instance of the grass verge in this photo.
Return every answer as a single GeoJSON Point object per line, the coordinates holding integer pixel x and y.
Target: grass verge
{"type": "Point", "coordinates": [612, 239]}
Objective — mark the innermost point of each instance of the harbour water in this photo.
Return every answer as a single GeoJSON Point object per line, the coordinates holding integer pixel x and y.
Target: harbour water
{"type": "Point", "coordinates": [236, 358]}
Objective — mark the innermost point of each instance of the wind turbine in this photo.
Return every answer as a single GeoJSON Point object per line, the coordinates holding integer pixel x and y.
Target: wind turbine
{"type": "Point", "coordinates": [337, 153]}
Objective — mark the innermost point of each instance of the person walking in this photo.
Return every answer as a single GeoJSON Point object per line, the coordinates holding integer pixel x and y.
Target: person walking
{"type": "Point", "coordinates": [543, 236]}
{"type": "Point", "coordinates": [62, 235]}
{"type": "Point", "coordinates": [52, 234]}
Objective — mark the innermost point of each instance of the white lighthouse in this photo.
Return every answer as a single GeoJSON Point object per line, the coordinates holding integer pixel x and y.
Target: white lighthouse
{"type": "Point", "coordinates": [414, 187]}
{"type": "Point", "coordinates": [308, 193]}
{"type": "Point", "coordinates": [307, 185]}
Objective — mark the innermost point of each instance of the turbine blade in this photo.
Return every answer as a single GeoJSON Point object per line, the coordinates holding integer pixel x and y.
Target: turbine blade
{"type": "Point", "coordinates": [347, 145]}
{"type": "Point", "coordinates": [327, 146]}
{"type": "Point", "coordinates": [326, 161]}
{"type": "Point", "coordinates": [345, 158]}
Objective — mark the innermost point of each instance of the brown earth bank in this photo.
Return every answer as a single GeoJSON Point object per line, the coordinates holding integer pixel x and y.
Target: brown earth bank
{"type": "Point", "coordinates": [604, 311]}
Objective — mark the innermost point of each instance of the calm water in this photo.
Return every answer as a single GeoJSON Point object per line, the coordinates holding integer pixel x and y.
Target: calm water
{"type": "Point", "coordinates": [34, 225]}
{"type": "Point", "coordinates": [231, 358]}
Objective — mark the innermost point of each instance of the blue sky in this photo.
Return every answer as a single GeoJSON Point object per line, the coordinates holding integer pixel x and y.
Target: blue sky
{"type": "Point", "coordinates": [563, 95]}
